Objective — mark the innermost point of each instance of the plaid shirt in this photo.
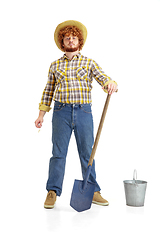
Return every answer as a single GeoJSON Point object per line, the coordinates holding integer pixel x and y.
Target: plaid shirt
{"type": "Point", "coordinates": [70, 81]}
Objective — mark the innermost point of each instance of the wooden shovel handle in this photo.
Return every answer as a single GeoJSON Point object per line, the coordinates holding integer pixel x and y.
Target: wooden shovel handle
{"type": "Point", "coordinates": [99, 130]}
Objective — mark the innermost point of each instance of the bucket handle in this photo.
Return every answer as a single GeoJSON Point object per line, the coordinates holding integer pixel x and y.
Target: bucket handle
{"type": "Point", "coordinates": [135, 175]}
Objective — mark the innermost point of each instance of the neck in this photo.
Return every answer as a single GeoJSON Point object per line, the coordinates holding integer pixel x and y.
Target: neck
{"type": "Point", "coordinates": [70, 55]}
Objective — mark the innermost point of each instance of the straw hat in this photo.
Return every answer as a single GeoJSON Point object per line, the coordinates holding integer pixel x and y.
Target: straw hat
{"type": "Point", "coordinates": [69, 23]}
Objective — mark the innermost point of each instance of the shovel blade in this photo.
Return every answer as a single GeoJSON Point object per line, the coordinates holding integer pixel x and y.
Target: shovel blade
{"type": "Point", "coordinates": [81, 198]}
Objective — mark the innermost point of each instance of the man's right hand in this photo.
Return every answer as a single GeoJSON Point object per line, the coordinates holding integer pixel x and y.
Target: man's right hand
{"type": "Point", "coordinates": [39, 121]}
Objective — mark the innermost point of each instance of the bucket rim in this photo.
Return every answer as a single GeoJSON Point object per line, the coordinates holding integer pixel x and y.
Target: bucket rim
{"type": "Point", "coordinates": [134, 182]}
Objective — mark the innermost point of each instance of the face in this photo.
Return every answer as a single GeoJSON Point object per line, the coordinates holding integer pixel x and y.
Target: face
{"type": "Point", "coordinates": [71, 43]}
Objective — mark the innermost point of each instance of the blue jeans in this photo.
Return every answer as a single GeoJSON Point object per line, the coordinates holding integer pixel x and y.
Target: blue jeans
{"type": "Point", "coordinates": [68, 118]}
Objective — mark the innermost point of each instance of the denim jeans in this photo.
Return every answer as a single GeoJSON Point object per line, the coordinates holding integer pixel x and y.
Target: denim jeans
{"type": "Point", "coordinates": [68, 118]}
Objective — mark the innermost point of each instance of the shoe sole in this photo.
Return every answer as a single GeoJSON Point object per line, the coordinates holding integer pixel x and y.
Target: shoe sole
{"type": "Point", "coordinates": [49, 206]}
{"type": "Point", "coordinates": [102, 204]}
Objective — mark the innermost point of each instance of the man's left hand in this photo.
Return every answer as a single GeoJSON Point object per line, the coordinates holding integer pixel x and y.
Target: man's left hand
{"type": "Point", "coordinates": [111, 88]}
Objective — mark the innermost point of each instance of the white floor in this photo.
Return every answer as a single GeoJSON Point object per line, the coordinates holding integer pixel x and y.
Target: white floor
{"type": "Point", "coordinates": [23, 194]}
{"type": "Point", "coordinates": [27, 219]}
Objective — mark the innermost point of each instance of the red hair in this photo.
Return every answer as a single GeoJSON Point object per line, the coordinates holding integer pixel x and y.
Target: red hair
{"type": "Point", "coordinates": [70, 30]}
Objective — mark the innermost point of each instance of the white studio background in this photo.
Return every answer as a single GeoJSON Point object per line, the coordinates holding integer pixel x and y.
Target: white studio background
{"type": "Point", "coordinates": [123, 37]}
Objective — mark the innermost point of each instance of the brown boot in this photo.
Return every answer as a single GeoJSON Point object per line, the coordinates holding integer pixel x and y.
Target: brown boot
{"type": "Point", "coordinates": [98, 199]}
{"type": "Point", "coordinates": [50, 200]}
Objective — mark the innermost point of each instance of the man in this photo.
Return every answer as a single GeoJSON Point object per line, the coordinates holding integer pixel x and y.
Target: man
{"type": "Point", "coordinates": [69, 85]}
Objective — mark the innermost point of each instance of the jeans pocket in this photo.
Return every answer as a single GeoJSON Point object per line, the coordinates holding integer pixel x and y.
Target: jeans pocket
{"type": "Point", "coordinates": [86, 108]}
{"type": "Point", "coordinates": [58, 106]}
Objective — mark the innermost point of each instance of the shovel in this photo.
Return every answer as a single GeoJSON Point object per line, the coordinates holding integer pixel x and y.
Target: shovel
{"type": "Point", "coordinates": [83, 191]}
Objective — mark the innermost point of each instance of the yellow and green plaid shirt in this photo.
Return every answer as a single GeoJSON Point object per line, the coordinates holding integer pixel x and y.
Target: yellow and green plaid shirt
{"type": "Point", "coordinates": [70, 81]}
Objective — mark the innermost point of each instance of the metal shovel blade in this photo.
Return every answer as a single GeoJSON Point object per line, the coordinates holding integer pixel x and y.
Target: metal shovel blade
{"type": "Point", "coordinates": [82, 193]}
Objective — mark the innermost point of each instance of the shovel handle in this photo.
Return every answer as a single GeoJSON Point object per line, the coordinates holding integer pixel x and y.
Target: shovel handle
{"type": "Point", "coordinates": [99, 130]}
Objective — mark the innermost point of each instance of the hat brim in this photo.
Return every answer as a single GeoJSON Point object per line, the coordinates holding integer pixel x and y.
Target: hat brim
{"type": "Point", "coordinates": [70, 23]}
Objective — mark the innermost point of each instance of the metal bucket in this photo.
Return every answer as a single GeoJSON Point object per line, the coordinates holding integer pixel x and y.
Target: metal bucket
{"type": "Point", "coordinates": [135, 191]}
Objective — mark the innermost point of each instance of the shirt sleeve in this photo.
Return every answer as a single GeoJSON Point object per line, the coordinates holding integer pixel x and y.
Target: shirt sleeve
{"type": "Point", "coordinates": [99, 75]}
{"type": "Point", "coordinates": [48, 92]}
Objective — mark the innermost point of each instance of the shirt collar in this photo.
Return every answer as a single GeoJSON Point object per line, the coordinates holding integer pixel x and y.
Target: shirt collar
{"type": "Point", "coordinates": [75, 56]}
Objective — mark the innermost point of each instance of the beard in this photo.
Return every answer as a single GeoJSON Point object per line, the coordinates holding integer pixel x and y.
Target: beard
{"type": "Point", "coordinates": [71, 49]}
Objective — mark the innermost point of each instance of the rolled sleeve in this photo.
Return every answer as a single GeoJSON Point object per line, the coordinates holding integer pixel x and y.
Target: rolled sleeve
{"type": "Point", "coordinates": [44, 108]}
